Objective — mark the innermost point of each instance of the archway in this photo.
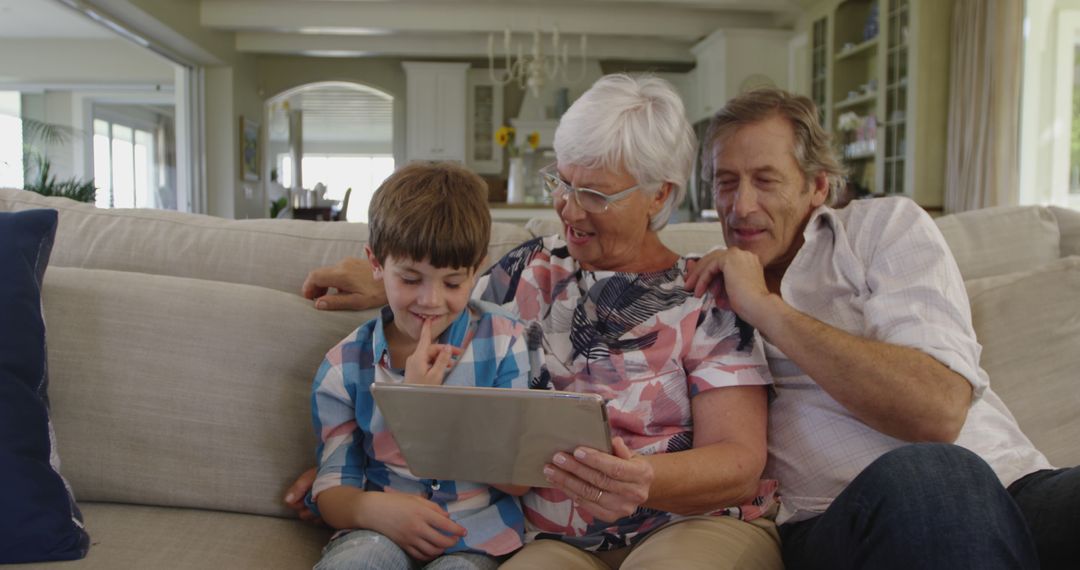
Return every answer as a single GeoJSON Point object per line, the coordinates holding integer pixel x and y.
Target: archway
{"type": "Point", "coordinates": [335, 133]}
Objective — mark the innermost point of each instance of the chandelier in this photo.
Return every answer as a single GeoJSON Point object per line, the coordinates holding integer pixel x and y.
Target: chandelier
{"type": "Point", "coordinates": [534, 69]}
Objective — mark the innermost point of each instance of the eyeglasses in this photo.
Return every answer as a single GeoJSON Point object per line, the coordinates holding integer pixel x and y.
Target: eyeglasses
{"type": "Point", "coordinates": [587, 199]}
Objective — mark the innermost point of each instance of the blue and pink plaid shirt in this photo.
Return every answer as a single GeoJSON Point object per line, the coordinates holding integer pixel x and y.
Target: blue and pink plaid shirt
{"type": "Point", "coordinates": [355, 444]}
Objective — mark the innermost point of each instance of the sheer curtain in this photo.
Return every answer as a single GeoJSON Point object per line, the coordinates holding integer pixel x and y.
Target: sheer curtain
{"type": "Point", "coordinates": [982, 153]}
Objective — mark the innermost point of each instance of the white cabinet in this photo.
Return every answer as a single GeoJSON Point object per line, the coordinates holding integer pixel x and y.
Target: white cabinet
{"type": "Point", "coordinates": [732, 61]}
{"type": "Point", "coordinates": [435, 110]}
{"type": "Point", "coordinates": [485, 116]}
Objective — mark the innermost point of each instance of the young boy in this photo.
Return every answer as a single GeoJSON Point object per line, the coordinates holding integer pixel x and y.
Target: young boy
{"type": "Point", "coordinates": [430, 228]}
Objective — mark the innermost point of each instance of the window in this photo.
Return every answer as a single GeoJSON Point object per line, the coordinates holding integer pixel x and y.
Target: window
{"type": "Point", "coordinates": [124, 168]}
{"type": "Point", "coordinates": [1050, 115]}
{"type": "Point", "coordinates": [362, 173]}
{"type": "Point", "coordinates": [11, 140]}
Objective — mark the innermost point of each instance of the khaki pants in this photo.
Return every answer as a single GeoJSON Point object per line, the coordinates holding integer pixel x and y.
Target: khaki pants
{"type": "Point", "coordinates": [701, 542]}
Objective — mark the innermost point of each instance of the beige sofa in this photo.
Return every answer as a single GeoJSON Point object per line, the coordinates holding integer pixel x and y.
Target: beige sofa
{"type": "Point", "coordinates": [181, 358]}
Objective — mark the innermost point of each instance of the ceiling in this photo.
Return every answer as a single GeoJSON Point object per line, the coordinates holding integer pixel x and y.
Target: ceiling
{"type": "Point", "coordinates": [648, 33]}
{"type": "Point", "coordinates": [618, 30]}
{"type": "Point", "coordinates": [628, 30]}
{"type": "Point", "coordinates": [625, 30]}
{"type": "Point", "coordinates": [46, 19]}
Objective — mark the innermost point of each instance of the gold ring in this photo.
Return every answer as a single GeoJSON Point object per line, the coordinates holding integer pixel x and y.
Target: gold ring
{"type": "Point", "coordinates": [598, 495]}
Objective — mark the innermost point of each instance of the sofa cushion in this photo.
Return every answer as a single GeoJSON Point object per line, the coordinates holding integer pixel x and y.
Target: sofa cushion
{"type": "Point", "coordinates": [182, 392]}
{"type": "Point", "coordinates": [277, 254]}
{"type": "Point", "coordinates": [39, 520]}
{"type": "Point", "coordinates": [128, 536]}
{"type": "Point", "coordinates": [1029, 325]}
{"type": "Point", "coordinates": [1069, 224]}
{"type": "Point", "coordinates": [684, 238]}
{"type": "Point", "coordinates": [995, 241]}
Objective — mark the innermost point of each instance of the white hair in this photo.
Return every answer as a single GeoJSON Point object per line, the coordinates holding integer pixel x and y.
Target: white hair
{"type": "Point", "coordinates": [635, 125]}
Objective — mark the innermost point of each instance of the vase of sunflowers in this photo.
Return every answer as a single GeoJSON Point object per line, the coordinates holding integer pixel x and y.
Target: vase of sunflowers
{"type": "Point", "coordinates": [515, 183]}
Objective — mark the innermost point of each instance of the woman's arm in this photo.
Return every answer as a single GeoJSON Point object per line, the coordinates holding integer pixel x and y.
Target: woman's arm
{"type": "Point", "coordinates": [723, 468]}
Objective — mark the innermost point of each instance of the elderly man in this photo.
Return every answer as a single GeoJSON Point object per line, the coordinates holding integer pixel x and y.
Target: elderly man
{"type": "Point", "coordinates": [869, 338]}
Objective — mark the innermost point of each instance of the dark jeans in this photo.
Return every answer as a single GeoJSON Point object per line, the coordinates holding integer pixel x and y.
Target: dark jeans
{"type": "Point", "coordinates": [1050, 501]}
{"type": "Point", "coordinates": [920, 506]}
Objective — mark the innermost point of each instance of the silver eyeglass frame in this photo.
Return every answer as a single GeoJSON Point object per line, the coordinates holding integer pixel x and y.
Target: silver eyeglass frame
{"type": "Point", "coordinates": [555, 185]}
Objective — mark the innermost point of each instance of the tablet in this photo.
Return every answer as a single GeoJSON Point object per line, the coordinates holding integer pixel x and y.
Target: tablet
{"type": "Point", "coordinates": [489, 435]}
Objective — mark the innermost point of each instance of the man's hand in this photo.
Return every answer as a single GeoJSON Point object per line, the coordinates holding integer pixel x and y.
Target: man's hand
{"type": "Point", "coordinates": [743, 281]}
{"type": "Point", "coordinates": [420, 527]}
{"type": "Point", "coordinates": [429, 363]}
{"type": "Point", "coordinates": [294, 496]}
{"type": "Point", "coordinates": [356, 287]}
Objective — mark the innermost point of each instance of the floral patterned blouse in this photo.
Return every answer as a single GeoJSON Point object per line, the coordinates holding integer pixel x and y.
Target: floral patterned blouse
{"type": "Point", "coordinates": [642, 342]}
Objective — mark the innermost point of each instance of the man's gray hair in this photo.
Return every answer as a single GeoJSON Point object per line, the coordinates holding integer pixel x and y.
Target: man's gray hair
{"type": "Point", "coordinates": [632, 124]}
{"type": "Point", "coordinates": [813, 149]}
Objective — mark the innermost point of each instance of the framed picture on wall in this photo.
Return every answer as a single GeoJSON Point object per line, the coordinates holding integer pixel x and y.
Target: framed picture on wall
{"type": "Point", "coordinates": [249, 149]}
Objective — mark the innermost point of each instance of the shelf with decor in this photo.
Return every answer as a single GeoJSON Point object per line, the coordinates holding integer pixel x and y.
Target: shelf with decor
{"type": "Point", "coordinates": [866, 48]}
{"type": "Point", "coordinates": [887, 60]}
{"type": "Point", "coordinates": [855, 80]}
{"type": "Point", "coordinates": [819, 67]}
{"type": "Point", "coordinates": [852, 102]}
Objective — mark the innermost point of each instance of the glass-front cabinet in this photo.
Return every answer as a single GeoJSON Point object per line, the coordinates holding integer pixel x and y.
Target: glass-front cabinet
{"type": "Point", "coordinates": [896, 85]}
{"type": "Point", "coordinates": [879, 75]}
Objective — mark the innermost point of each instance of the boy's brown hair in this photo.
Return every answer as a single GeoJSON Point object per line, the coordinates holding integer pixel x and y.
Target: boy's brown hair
{"type": "Point", "coordinates": [435, 212]}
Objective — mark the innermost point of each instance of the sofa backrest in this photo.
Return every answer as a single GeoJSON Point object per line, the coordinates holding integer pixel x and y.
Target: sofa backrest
{"type": "Point", "coordinates": [1069, 224]}
{"type": "Point", "coordinates": [995, 241]}
{"type": "Point", "coordinates": [183, 392]}
{"type": "Point", "coordinates": [277, 254]}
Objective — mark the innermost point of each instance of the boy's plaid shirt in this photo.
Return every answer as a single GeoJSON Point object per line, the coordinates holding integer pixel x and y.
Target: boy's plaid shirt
{"type": "Point", "coordinates": [355, 444]}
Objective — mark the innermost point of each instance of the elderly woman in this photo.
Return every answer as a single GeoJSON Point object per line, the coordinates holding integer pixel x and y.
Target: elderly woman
{"type": "Point", "coordinates": [684, 378]}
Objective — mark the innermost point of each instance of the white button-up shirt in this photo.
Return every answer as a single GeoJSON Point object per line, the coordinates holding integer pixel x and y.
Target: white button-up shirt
{"type": "Point", "coordinates": [879, 269]}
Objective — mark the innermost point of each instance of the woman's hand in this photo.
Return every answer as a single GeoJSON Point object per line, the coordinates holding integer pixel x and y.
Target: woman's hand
{"type": "Point", "coordinates": [429, 362]}
{"type": "Point", "coordinates": [610, 486]}
{"type": "Point", "coordinates": [356, 287]}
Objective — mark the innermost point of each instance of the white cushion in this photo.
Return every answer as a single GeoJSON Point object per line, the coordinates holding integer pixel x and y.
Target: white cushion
{"type": "Point", "coordinates": [182, 392]}
{"type": "Point", "coordinates": [1029, 325]}
{"type": "Point", "coordinates": [1069, 224]}
{"type": "Point", "coordinates": [996, 241]}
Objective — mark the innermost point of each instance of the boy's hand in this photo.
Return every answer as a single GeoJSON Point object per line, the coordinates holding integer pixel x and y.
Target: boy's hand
{"type": "Point", "coordinates": [294, 496]}
{"type": "Point", "coordinates": [429, 362]}
{"type": "Point", "coordinates": [417, 525]}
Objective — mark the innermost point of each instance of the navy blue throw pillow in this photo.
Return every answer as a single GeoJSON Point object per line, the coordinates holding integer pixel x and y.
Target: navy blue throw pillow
{"type": "Point", "coordinates": [39, 520]}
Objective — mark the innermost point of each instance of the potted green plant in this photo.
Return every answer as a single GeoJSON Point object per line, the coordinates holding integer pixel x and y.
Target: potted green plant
{"type": "Point", "coordinates": [37, 166]}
